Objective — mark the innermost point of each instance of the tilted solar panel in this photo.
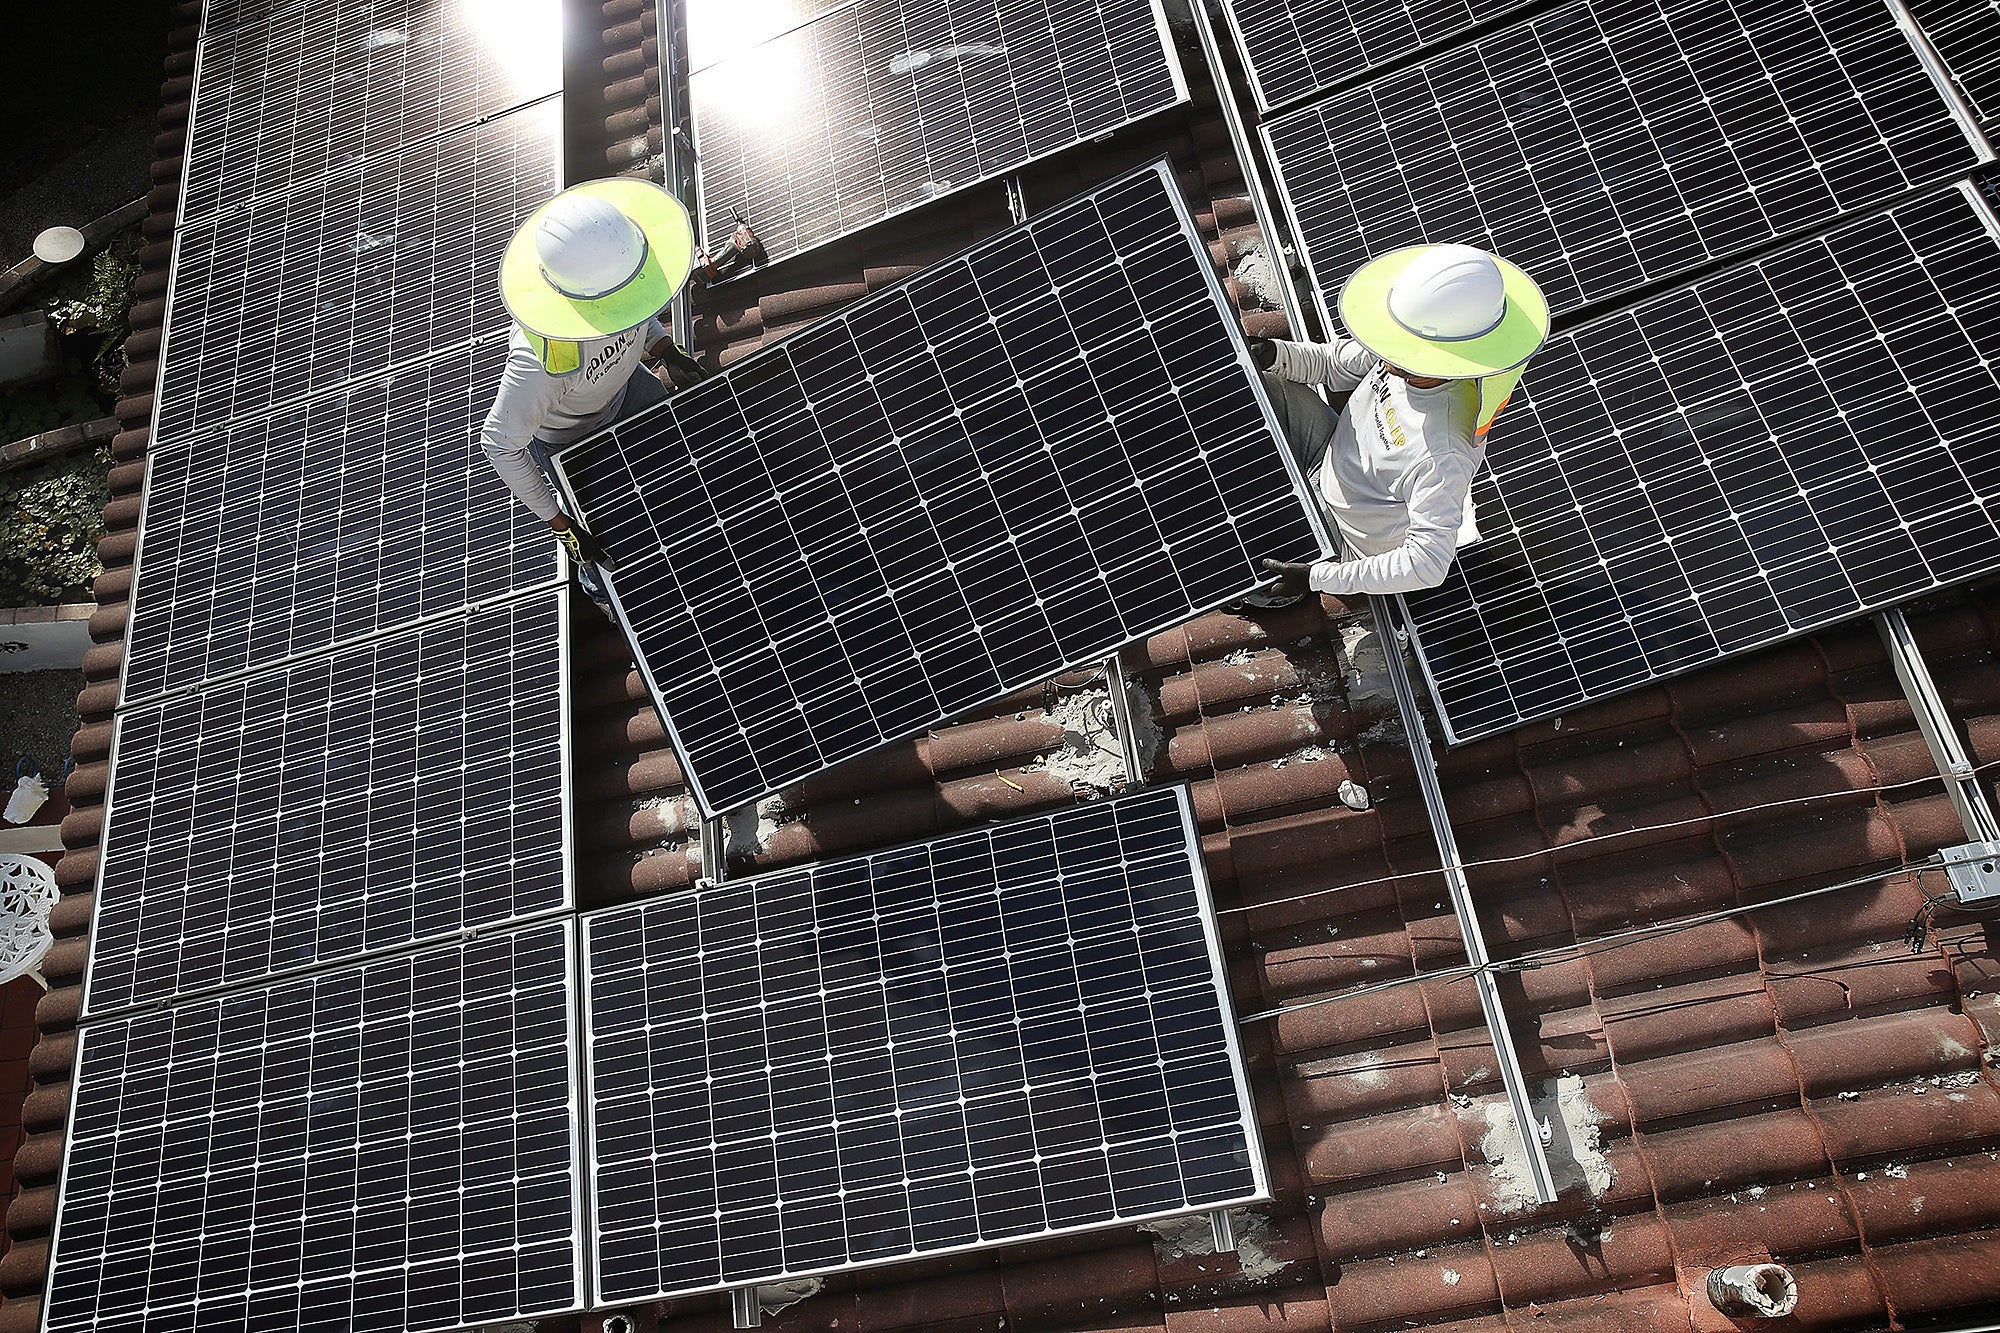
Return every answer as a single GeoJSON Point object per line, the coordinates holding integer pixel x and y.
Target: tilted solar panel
{"type": "Point", "coordinates": [385, 261]}
{"type": "Point", "coordinates": [305, 92]}
{"type": "Point", "coordinates": [1966, 36]}
{"type": "Point", "coordinates": [383, 1147]}
{"type": "Point", "coordinates": [1294, 48]}
{"type": "Point", "coordinates": [1010, 464]}
{"type": "Point", "coordinates": [1008, 1033]}
{"type": "Point", "coordinates": [1772, 450]}
{"type": "Point", "coordinates": [392, 792]}
{"type": "Point", "coordinates": [351, 513]}
{"type": "Point", "coordinates": [1607, 145]}
{"type": "Point", "coordinates": [879, 106]}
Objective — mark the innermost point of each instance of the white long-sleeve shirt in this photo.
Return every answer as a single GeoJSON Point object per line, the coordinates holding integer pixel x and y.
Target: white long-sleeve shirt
{"type": "Point", "coordinates": [535, 405]}
{"type": "Point", "coordinates": [1397, 473]}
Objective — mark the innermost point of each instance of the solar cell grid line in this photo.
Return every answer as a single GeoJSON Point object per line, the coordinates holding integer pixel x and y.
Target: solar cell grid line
{"type": "Point", "coordinates": [1774, 449]}
{"type": "Point", "coordinates": [1008, 1033]}
{"type": "Point", "coordinates": [387, 260]}
{"type": "Point", "coordinates": [306, 92]}
{"type": "Point", "coordinates": [1295, 48]}
{"type": "Point", "coordinates": [883, 105]}
{"type": "Point", "coordinates": [381, 1147]}
{"type": "Point", "coordinates": [366, 507]}
{"type": "Point", "coordinates": [1606, 145]}
{"type": "Point", "coordinates": [952, 490]}
{"type": "Point", "coordinates": [1965, 34]}
{"type": "Point", "coordinates": [392, 792]}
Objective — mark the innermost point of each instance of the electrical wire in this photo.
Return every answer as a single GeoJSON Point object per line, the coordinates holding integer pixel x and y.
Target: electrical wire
{"type": "Point", "coordinates": [1818, 798]}
{"type": "Point", "coordinates": [1602, 944]}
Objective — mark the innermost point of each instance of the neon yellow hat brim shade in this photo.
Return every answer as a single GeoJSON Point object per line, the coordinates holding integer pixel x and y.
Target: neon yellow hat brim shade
{"type": "Point", "coordinates": [540, 309]}
{"type": "Point", "coordinates": [1364, 309]}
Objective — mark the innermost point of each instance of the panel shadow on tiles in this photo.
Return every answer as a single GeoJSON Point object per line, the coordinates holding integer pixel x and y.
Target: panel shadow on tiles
{"type": "Point", "coordinates": [1606, 145]}
{"type": "Point", "coordinates": [382, 262]}
{"type": "Point", "coordinates": [1008, 1033]}
{"type": "Point", "coordinates": [358, 510]}
{"type": "Point", "coordinates": [382, 1147]}
{"type": "Point", "coordinates": [1774, 449]}
{"type": "Point", "coordinates": [388, 793]}
{"type": "Point", "coordinates": [1008, 465]}
{"type": "Point", "coordinates": [1966, 36]}
{"type": "Point", "coordinates": [879, 106]}
{"type": "Point", "coordinates": [302, 93]}
{"type": "Point", "coordinates": [1295, 48]}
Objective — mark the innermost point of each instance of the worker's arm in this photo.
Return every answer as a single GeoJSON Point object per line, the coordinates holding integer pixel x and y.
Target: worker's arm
{"type": "Point", "coordinates": [1436, 492]}
{"type": "Point", "coordinates": [518, 411]}
{"type": "Point", "coordinates": [1339, 365]}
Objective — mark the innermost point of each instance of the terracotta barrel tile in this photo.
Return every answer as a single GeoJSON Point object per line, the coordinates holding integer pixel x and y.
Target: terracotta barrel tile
{"type": "Point", "coordinates": [1419, 1138]}
{"type": "Point", "coordinates": [1927, 1278]}
{"type": "Point", "coordinates": [1883, 1123]}
{"type": "Point", "coordinates": [1392, 1219]}
{"type": "Point", "coordinates": [1786, 1219]}
{"type": "Point", "coordinates": [1455, 1281]}
{"type": "Point", "coordinates": [1868, 1052]}
{"type": "Point", "coordinates": [1731, 1155]}
{"type": "Point", "coordinates": [1924, 1199]}
{"type": "Point", "coordinates": [1556, 1265]}
{"type": "Point", "coordinates": [1707, 1079]}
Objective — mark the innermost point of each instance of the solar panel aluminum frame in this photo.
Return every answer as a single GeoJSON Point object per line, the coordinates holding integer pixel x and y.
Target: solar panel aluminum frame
{"type": "Point", "coordinates": [558, 168]}
{"type": "Point", "coordinates": [126, 699]}
{"type": "Point", "coordinates": [565, 798]}
{"type": "Point", "coordinates": [183, 218]}
{"type": "Point", "coordinates": [1246, 1102]}
{"type": "Point", "coordinates": [714, 242]}
{"type": "Point", "coordinates": [1949, 80]}
{"type": "Point", "coordinates": [1315, 517]}
{"type": "Point", "coordinates": [580, 1234]}
{"type": "Point", "coordinates": [1987, 215]}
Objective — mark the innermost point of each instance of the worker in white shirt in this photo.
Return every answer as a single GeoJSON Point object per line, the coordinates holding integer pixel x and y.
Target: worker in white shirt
{"type": "Point", "coordinates": [1440, 334]}
{"type": "Point", "coordinates": [585, 279]}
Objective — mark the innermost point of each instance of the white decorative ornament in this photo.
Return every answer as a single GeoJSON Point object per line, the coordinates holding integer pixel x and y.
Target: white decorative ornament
{"type": "Point", "coordinates": [27, 894]}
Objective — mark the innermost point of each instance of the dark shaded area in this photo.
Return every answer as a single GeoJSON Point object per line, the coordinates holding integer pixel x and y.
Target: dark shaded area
{"type": "Point", "coordinates": [84, 86]}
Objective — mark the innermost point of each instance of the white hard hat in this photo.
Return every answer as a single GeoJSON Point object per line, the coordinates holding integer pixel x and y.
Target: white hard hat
{"type": "Point", "coordinates": [588, 248]}
{"type": "Point", "coordinates": [1449, 293]}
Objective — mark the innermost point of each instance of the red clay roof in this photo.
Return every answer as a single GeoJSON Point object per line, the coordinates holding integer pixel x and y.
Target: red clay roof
{"type": "Point", "coordinates": [1791, 1082]}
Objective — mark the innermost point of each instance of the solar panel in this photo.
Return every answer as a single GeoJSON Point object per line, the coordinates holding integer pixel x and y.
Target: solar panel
{"type": "Point", "coordinates": [1294, 48]}
{"type": "Point", "coordinates": [1772, 450]}
{"type": "Point", "coordinates": [353, 512]}
{"type": "Point", "coordinates": [1610, 144]}
{"type": "Point", "coordinates": [386, 260]}
{"type": "Point", "coordinates": [294, 97]}
{"type": "Point", "coordinates": [397, 791]}
{"type": "Point", "coordinates": [384, 1147]}
{"type": "Point", "coordinates": [1008, 1033]}
{"type": "Point", "coordinates": [877, 107]}
{"type": "Point", "coordinates": [1012, 463]}
{"type": "Point", "coordinates": [1965, 34]}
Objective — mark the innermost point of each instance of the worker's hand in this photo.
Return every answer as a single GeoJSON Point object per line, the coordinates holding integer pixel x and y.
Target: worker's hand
{"type": "Point", "coordinates": [743, 238]}
{"type": "Point", "coordinates": [582, 547]}
{"type": "Point", "coordinates": [1263, 352]}
{"type": "Point", "coordinates": [676, 369]}
{"type": "Point", "coordinates": [1292, 580]}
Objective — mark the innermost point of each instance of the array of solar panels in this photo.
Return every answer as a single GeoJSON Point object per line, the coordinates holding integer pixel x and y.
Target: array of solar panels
{"type": "Point", "coordinates": [1008, 465]}
{"type": "Point", "coordinates": [1614, 143]}
{"type": "Point", "coordinates": [1771, 449]}
{"type": "Point", "coordinates": [341, 735]}
{"type": "Point", "coordinates": [1768, 451]}
{"type": "Point", "coordinates": [866, 109]}
{"type": "Point", "coordinates": [1007, 1033]}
